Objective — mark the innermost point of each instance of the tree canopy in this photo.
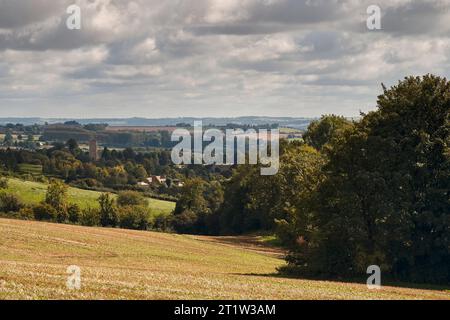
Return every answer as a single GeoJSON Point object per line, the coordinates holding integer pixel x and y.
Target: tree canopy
{"type": "Point", "coordinates": [384, 199]}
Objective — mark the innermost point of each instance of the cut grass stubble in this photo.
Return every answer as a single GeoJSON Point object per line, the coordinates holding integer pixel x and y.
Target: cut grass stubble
{"type": "Point", "coordinates": [122, 264]}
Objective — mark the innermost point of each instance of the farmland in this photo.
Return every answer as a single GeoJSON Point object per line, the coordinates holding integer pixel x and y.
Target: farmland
{"type": "Point", "coordinates": [34, 192]}
{"type": "Point", "coordinates": [122, 264]}
{"type": "Point", "coordinates": [139, 129]}
{"type": "Point", "coordinates": [30, 169]}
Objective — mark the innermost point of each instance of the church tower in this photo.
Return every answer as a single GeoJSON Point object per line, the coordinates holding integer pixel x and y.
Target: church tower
{"type": "Point", "coordinates": [93, 152]}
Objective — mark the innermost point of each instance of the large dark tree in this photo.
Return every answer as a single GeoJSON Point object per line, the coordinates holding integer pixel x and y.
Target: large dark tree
{"type": "Point", "coordinates": [386, 198]}
{"type": "Point", "coordinates": [326, 131]}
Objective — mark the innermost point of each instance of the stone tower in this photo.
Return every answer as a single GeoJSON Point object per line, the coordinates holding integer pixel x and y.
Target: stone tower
{"type": "Point", "coordinates": [93, 153]}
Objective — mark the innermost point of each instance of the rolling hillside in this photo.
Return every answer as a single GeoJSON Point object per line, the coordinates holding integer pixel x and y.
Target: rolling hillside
{"type": "Point", "coordinates": [34, 192]}
{"type": "Point", "coordinates": [121, 264]}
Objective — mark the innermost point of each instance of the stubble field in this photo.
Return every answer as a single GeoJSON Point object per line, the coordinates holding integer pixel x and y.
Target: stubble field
{"type": "Point", "coordinates": [121, 264]}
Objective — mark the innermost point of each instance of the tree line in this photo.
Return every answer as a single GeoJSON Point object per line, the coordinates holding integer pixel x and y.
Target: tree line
{"type": "Point", "coordinates": [127, 209]}
{"type": "Point", "coordinates": [116, 169]}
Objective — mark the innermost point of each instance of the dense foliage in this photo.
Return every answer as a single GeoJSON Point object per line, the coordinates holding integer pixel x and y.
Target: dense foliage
{"type": "Point", "coordinates": [355, 194]}
{"type": "Point", "coordinates": [376, 192]}
{"type": "Point", "coordinates": [116, 169]}
{"type": "Point", "coordinates": [384, 198]}
{"type": "Point", "coordinates": [129, 210]}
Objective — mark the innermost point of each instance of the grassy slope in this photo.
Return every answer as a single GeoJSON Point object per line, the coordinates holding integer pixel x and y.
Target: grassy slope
{"type": "Point", "coordinates": [144, 265]}
{"type": "Point", "coordinates": [34, 192]}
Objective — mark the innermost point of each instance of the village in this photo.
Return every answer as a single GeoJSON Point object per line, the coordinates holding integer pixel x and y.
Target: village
{"type": "Point", "coordinates": [151, 181]}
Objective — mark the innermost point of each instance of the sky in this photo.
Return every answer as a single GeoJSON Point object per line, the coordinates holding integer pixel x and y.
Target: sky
{"type": "Point", "coordinates": [215, 58]}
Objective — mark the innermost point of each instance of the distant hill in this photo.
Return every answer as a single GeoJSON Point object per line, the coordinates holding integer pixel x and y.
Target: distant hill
{"type": "Point", "coordinates": [297, 123]}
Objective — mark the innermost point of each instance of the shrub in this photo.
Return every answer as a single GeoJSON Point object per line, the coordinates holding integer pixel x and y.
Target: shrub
{"type": "Point", "coordinates": [135, 217]}
{"type": "Point", "coordinates": [41, 179]}
{"type": "Point", "coordinates": [185, 222]}
{"type": "Point", "coordinates": [108, 211]}
{"type": "Point", "coordinates": [26, 177]}
{"type": "Point", "coordinates": [45, 212]}
{"type": "Point", "coordinates": [73, 213]}
{"type": "Point", "coordinates": [10, 202]}
{"type": "Point", "coordinates": [90, 217]}
{"type": "Point", "coordinates": [26, 213]}
{"type": "Point", "coordinates": [131, 198]}
{"type": "Point", "coordinates": [87, 183]}
{"type": "Point", "coordinates": [56, 195]}
{"type": "Point", "coordinates": [3, 183]}
{"type": "Point", "coordinates": [163, 222]}
{"type": "Point", "coordinates": [62, 215]}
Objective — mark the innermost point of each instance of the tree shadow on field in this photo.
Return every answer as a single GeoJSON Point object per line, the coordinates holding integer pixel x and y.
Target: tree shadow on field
{"type": "Point", "coordinates": [362, 281]}
{"type": "Point", "coordinates": [252, 243]}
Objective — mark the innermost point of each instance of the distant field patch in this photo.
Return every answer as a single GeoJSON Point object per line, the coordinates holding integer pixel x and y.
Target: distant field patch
{"type": "Point", "coordinates": [31, 169]}
{"type": "Point", "coordinates": [290, 131]}
{"type": "Point", "coordinates": [139, 129]}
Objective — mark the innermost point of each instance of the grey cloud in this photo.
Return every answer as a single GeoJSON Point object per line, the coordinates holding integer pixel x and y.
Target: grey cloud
{"type": "Point", "coordinates": [210, 57]}
{"type": "Point", "coordinates": [418, 17]}
{"type": "Point", "coordinates": [238, 29]}
{"type": "Point", "coordinates": [297, 12]}
{"type": "Point", "coordinates": [20, 13]}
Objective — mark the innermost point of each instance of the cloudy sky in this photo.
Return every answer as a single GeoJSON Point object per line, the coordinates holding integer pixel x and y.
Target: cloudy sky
{"type": "Point", "coordinates": [158, 58]}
